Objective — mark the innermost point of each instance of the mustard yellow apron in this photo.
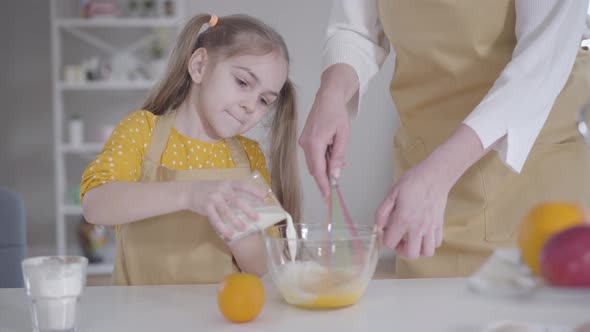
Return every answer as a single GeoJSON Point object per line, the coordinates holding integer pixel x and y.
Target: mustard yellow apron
{"type": "Point", "coordinates": [181, 247]}
{"type": "Point", "coordinates": [449, 53]}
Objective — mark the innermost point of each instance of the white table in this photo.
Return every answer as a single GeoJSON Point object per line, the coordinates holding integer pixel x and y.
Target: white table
{"type": "Point", "coordinates": [390, 305]}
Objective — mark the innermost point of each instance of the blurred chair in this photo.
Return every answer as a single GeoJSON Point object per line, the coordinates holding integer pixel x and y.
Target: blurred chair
{"type": "Point", "coordinates": [13, 243]}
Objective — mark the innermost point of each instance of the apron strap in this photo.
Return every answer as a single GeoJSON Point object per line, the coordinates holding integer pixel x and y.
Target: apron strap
{"type": "Point", "coordinates": [159, 139]}
{"type": "Point", "coordinates": [237, 153]}
{"type": "Point", "coordinates": [161, 134]}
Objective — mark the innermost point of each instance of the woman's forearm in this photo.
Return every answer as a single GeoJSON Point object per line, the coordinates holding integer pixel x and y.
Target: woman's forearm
{"type": "Point", "coordinates": [120, 202]}
{"type": "Point", "coordinates": [457, 154]}
{"type": "Point", "coordinates": [339, 80]}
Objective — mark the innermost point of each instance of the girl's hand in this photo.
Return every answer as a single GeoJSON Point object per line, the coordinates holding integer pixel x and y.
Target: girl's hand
{"type": "Point", "coordinates": [415, 206]}
{"type": "Point", "coordinates": [221, 202]}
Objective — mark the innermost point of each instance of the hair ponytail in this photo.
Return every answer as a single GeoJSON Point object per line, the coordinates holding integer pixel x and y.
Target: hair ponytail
{"type": "Point", "coordinates": [284, 173]}
{"type": "Point", "coordinates": [175, 84]}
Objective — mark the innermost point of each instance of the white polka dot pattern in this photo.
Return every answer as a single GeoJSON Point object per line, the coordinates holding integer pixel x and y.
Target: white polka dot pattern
{"type": "Point", "coordinates": [122, 156]}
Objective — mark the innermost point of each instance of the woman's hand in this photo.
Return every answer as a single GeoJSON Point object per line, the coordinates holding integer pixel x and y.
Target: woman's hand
{"type": "Point", "coordinates": [221, 202]}
{"type": "Point", "coordinates": [328, 124]}
{"type": "Point", "coordinates": [415, 205]}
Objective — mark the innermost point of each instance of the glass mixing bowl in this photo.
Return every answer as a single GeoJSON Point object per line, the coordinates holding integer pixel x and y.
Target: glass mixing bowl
{"type": "Point", "coordinates": [315, 266]}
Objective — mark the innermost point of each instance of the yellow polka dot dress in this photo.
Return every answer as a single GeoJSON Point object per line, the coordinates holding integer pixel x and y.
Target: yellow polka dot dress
{"type": "Point", "coordinates": [122, 156]}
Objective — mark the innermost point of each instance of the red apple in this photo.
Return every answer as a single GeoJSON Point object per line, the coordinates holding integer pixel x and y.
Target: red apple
{"type": "Point", "coordinates": [583, 328]}
{"type": "Point", "coordinates": [565, 258]}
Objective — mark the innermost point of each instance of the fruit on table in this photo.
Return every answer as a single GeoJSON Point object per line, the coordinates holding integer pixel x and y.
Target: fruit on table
{"type": "Point", "coordinates": [543, 221]}
{"type": "Point", "coordinates": [565, 259]}
{"type": "Point", "coordinates": [240, 297]}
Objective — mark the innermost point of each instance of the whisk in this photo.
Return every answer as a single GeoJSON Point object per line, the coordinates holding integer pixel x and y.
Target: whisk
{"type": "Point", "coordinates": [338, 215]}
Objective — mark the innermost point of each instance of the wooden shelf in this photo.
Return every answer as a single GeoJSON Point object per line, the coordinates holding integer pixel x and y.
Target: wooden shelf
{"type": "Point", "coordinates": [107, 85]}
{"type": "Point", "coordinates": [117, 22]}
{"type": "Point", "coordinates": [96, 269]}
{"type": "Point", "coordinates": [84, 148]}
{"type": "Point", "coordinates": [72, 210]}
{"type": "Point", "coordinates": [73, 40]}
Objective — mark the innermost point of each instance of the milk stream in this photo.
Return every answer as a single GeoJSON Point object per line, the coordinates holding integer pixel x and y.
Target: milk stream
{"type": "Point", "coordinates": [267, 217]}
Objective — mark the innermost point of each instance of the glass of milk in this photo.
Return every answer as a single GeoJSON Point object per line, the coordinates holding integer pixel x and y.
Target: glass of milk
{"type": "Point", "coordinates": [269, 210]}
{"type": "Point", "coordinates": [54, 285]}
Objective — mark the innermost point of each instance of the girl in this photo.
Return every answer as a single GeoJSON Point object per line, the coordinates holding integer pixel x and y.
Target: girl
{"type": "Point", "coordinates": [172, 174]}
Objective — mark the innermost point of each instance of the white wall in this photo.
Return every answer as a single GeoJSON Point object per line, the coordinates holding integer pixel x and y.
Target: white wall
{"type": "Point", "coordinates": [26, 153]}
{"type": "Point", "coordinates": [26, 125]}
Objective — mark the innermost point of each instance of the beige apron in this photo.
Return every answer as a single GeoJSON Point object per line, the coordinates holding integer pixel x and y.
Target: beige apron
{"type": "Point", "coordinates": [180, 247]}
{"type": "Point", "coordinates": [449, 53]}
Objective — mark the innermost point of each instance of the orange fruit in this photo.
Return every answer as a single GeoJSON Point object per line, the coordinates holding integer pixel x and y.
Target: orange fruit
{"type": "Point", "coordinates": [541, 222]}
{"type": "Point", "coordinates": [240, 297]}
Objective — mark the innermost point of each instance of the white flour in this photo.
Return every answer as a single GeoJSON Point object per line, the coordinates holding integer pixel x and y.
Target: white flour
{"type": "Point", "coordinates": [53, 287]}
{"type": "Point", "coordinates": [52, 277]}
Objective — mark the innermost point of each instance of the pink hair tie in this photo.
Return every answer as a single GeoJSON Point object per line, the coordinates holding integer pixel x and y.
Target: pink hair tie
{"type": "Point", "coordinates": [213, 20]}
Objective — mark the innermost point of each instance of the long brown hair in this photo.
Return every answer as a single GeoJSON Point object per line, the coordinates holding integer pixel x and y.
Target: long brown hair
{"type": "Point", "coordinates": [238, 35]}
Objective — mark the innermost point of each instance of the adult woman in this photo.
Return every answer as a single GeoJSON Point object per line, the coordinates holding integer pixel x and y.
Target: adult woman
{"type": "Point", "coordinates": [471, 77]}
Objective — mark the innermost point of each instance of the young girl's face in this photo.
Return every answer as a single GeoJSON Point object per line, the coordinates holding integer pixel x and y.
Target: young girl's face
{"type": "Point", "coordinates": [236, 92]}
